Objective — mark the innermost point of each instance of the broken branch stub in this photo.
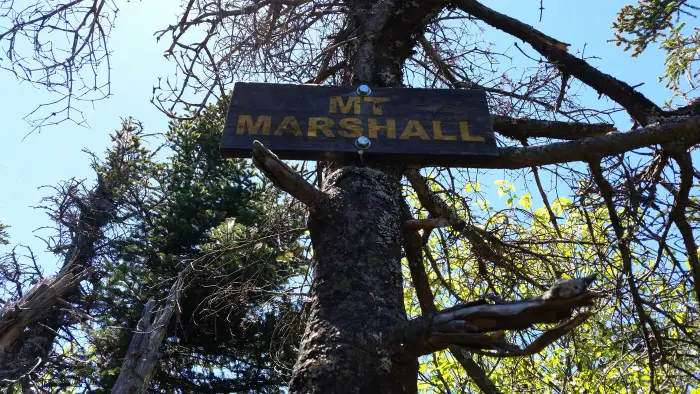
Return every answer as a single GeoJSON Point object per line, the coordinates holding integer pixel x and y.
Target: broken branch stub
{"type": "Point", "coordinates": [425, 224]}
{"type": "Point", "coordinates": [16, 316]}
{"type": "Point", "coordinates": [282, 176]}
{"type": "Point", "coordinates": [479, 326]}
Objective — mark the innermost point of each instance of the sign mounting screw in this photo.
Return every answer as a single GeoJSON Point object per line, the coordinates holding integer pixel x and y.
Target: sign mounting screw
{"type": "Point", "coordinates": [362, 143]}
{"type": "Point", "coordinates": [364, 90]}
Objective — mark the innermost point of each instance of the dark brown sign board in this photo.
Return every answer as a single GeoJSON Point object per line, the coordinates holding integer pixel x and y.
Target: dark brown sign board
{"type": "Point", "coordinates": [404, 125]}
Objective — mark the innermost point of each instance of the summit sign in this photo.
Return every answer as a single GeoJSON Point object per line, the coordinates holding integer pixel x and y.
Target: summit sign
{"type": "Point", "coordinates": [389, 125]}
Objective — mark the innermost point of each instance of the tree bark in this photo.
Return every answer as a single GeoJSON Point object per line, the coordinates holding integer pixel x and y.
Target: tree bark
{"type": "Point", "coordinates": [357, 288]}
{"type": "Point", "coordinates": [137, 369]}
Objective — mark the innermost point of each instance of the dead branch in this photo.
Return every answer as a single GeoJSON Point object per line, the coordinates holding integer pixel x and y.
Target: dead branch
{"type": "Point", "coordinates": [518, 129]}
{"type": "Point", "coordinates": [681, 130]}
{"type": "Point", "coordinates": [639, 107]}
{"type": "Point", "coordinates": [464, 325]}
{"type": "Point", "coordinates": [284, 177]}
{"type": "Point", "coordinates": [137, 369]}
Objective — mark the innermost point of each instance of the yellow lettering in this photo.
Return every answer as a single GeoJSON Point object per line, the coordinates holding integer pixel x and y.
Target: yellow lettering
{"type": "Point", "coordinates": [437, 133]}
{"type": "Point", "coordinates": [351, 124]}
{"type": "Point", "coordinates": [337, 101]}
{"type": "Point", "coordinates": [414, 129]}
{"type": "Point", "coordinates": [289, 124]}
{"type": "Point", "coordinates": [376, 108]}
{"type": "Point", "coordinates": [464, 131]}
{"type": "Point", "coordinates": [323, 124]}
{"type": "Point", "coordinates": [373, 128]}
{"type": "Point", "coordinates": [246, 121]}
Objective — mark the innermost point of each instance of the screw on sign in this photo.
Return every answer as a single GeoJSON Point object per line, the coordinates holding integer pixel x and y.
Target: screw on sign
{"type": "Point", "coordinates": [362, 143]}
{"type": "Point", "coordinates": [364, 90]}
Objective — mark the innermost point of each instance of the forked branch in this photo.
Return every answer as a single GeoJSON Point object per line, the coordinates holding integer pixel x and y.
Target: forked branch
{"type": "Point", "coordinates": [479, 326]}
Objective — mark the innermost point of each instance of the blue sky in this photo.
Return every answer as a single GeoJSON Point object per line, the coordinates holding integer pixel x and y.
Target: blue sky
{"type": "Point", "coordinates": [54, 154]}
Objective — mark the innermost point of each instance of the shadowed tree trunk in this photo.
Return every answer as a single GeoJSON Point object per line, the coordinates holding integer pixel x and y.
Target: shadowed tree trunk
{"type": "Point", "coordinates": [356, 232]}
{"type": "Point", "coordinates": [357, 288]}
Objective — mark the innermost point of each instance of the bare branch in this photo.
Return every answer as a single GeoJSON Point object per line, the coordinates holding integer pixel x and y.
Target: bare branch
{"type": "Point", "coordinates": [683, 130]}
{"type": "Point", "coordinates": [284, 177]}
{"type": "Point", "coordinates": [66, 40]}
{"type": "Point", "coordinates": [639, 107]}
{"type": "Point", "coordinates": [518, 129]}
{"type": "Point", "coordinates": [137, 369]}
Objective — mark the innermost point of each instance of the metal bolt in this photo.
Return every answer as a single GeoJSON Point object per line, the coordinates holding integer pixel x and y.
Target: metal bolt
{"type": "Point", "coordinates": [364, 90]}
{"type": "Point", "coordinates": [362, 143]}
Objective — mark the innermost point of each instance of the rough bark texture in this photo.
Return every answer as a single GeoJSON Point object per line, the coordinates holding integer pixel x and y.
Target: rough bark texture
{"type": "Point", "coordinates": [356, 233]}
{"type": "Point", "coordinates": [357, 288]}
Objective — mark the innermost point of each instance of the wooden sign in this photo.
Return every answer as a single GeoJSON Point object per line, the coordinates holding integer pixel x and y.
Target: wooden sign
{"type": "Point", "coordinates": [410, 126]}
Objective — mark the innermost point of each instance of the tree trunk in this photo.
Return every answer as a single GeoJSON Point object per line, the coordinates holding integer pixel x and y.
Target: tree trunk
{"type": "Point", "coordinates": [137, 370]}
{"type": "Point", "coordinates": [357, 288]}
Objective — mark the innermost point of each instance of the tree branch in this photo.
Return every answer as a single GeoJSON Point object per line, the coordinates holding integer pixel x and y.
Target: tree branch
{"type": "Point", "coordinates": [412, 247]}
{"type": "Point", "coordinates": [284, 177]}
{"type": "Point", "coordinates": [517, 129]}
{"type": "Point", "coordinates": [639, 107]}
{"type": "Point", "coordinates": [445, 70]}
{"type": "Point", "coordinates": [137, 369]}
{"type": "Point", "coordinates": [424, 224]}
{"type": "Point", "coordinates": [440, 209]}
{"type": "Point", "coordinates": [481, 241]}
{"type": "Point", "coordinates": [543, 195]}
{"type": "Point", "coordinates": [466, 325]}
{"type": "Point", "coordinates": [681, 130]}
{"type": "Point", "coordinates": [626, 256]}
{"type": "Point", "coordinates": [678, 214]}
{"type": "Point", "coordinates": [327, 72]}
